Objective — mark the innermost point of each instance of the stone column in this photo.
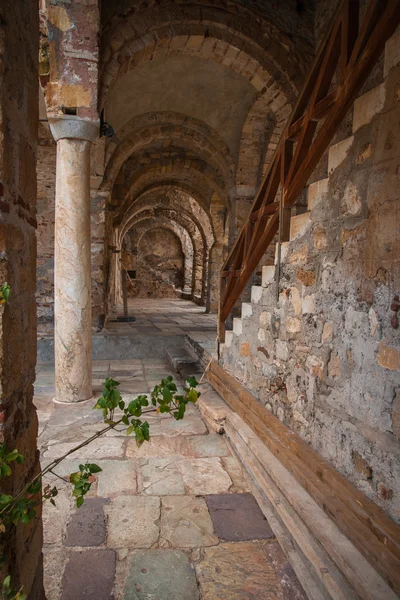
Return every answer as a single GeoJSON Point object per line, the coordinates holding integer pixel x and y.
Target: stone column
{"type": "Point", "coordinates": [72, 272]}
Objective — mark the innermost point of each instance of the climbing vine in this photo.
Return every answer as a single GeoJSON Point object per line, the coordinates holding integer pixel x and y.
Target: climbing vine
{"type": "Point", "coordinates": [118, 415]}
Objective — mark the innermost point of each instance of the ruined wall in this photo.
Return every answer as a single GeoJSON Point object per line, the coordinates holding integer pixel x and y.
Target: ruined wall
{"type": "Point", "coordinates": [19, 43]}
{"type": "Point", "coordinates": [325, 359]}
{"type": "Point", "coordinates": [159, 262]}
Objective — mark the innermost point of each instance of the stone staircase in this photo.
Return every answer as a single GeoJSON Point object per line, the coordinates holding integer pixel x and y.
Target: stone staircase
{"type": "Point", "coordinates": [326, 562]}
{"type": "Point", "coordinates": [302, 225]}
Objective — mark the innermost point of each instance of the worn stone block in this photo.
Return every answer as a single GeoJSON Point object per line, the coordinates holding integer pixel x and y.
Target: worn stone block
{"type": "Point", "coordinates": [186, 523]}
{"type": "Point", "coordinates": [392, 52]}
{"type": "Point", "coordinates": [368, 105]}
{"type": "Point", "coordinates": [162, 575]}
{"type": "Point", "coordinates": [217, 573]}
{"type": "Point", "coordinates": [87, 526]}
{"type": "Point", "coordinates": [89, 574]}
{"type": "Point", "coordinates": [338, 152]}
{"type": "Point", "coordinates": [299, 225]}
{"type": "Point", "coordinates": [117, 476]}
{"type": "Point", "coordinates": [160, 477]}
{"type": "Point", "coordinates": [132, 521]}
{"type": "Point", "coordinates": [316, 192]}
{"type": "Point", "coordinates": [205, 476]}
{"type": "Point", "coordinates": [237, 517]}
{"type": "Point", "coordinates": [237, 326]}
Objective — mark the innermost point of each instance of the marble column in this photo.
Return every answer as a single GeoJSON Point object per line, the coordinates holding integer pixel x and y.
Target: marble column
{"type": "Point", "coordinates": [72, 269]}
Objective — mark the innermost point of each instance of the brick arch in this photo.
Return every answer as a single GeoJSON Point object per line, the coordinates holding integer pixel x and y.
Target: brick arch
{"type": "Point", "coordinates": [250, 46]}
{"type": "Point", "coordinates": [178, 200]}
{"type": "Point", "coordinates": [188, 137]}
{"type": "Point", "coordinates": [185, 219]}
{"type": "Point", "coordinates": [202, 183]}
{"type": "Point", "coordinates": [260, 135]}
{"type": "Point", "coordinates": [147, 224]}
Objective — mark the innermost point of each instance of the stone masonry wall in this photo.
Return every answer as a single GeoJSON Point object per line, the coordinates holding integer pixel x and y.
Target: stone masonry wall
{"type": "Point", "coordinates": [325, 359]}
{"type": "Point", "coordinates": [158, 261]}
{"type": "Point", "coordinates": [19, 43]}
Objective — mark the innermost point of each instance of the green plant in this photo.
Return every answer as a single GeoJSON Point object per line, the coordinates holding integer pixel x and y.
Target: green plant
{"type": "Point", "coordinates": [21, 508]}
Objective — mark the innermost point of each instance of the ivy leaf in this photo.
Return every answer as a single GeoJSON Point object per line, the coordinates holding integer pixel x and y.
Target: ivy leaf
{"type": "Point", "coordinates": [79, 501]}
{"type": "Point", "coordinates": [5, 470]}
{"type": "Point", "coordinates": [192, 381]}
{"type": "Point", "coordinates": [166, 394]}
{"type": "Point", "coordinates": [93, 468]}
{"type": "Point", "coordinates": [6, 584]}
{"type": "Point", "coordinates": [6, 499]}
{"type": "Point", "coordinates": [75, 477]}
{"type": "Point", "coordinates": [192, 396]}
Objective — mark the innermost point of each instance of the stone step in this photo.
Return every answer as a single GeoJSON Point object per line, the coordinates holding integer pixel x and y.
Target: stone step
{"type": "Point", "coordinates": [392, 52]}
{"type": "Point", "coordinates": [299, 225]}
{"type": "Point", "coordinates": [316, 192]}
{"type": "Point", "coordinates": [368, 105]}
{"type": "Point", "coordinates": [256, 293]}
{"type": "Point", "coordinates": [247, 309]}
{"type": "Point", "coordinates": [202, 350]}
{"type": "Point", "coordinates": [284, 252]}
{"type": "Point", "coordinates": [341, 569]}
{"type": "Point", "coordinates": [268, 275]}
{"type": "Point", "coordinates": [237, 326]}
{"type": "Point", "coordinates": [179, 356]}
{"type": "Point", "coordinates": [337, 153]}
{"type": "Point", "coordinates": [228, 338]}
{"type": "Point", "coordinates": [213, 408]}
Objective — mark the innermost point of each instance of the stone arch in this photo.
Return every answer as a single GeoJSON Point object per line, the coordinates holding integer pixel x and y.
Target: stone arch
{"type": "Point", "coordinates": [187, 132]}
{"type": "Point", "coordinates": [178, 200]}
{"type": "Point", "coordinates": [142, 226]}
{"type": "Point", "coordinates": [183, 218]}
{"type": "Point", "coordinates": [150, 178]}
{"type": "Point", "coordinates": [252, 47]}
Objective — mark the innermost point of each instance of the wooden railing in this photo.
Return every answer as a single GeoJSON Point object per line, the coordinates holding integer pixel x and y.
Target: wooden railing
{"type": "Point", "coordinates": [342, 64]}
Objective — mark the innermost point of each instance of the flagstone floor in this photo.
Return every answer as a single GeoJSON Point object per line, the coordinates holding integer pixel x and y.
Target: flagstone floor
{"type": "Point", "coordinates": [172, 520]}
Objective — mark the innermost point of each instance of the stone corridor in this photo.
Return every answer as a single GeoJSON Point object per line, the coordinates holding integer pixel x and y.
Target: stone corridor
{"type": "Point", "coordinates": [173, 520]}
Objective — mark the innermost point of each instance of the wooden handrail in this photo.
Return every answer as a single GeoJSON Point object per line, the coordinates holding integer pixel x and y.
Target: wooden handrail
{"type": "Point", "coordinates": [350, 51]}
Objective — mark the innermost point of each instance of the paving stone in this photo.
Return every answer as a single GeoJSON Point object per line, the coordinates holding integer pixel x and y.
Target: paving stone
{"type": "Point", "coordinates": [237, 517]}
{"type": "Point", "coordinates": [186, 523]}
{"type": "Point", "coordinates": [88, 525]}
{"type": "Point", "coordinates": [160, 575]}
{"type": "Point", "coordinates": [132, 521]}
{"type": "Point", "coordinates": [204, 446]}
{"type": "Point", "coordinates": [190, 425]}
{"type": "Point", "coordinates": [160, 477]}
{"type": "Point", "coordinates": [89, 574]}
{"type": "Point", "coordinates": [237, 473]}
{"type": "Point", "coordinates": [54, 560]}
{"type": "Point", "coordinates": [238, 571]}
{"type": "Point", "coordinates": [203, 476]}
{"type": "Point", "coordinates": [117, 476]}
{"type": "Point", "coordinates": [55, 518]}
{"type": "Point", "coordinates": [291, 586]}
{"type": "Point", "coordinates": [105, 447]}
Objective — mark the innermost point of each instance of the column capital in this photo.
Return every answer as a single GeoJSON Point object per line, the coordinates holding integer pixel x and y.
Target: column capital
{"type": "Point", "coordinates": [71, 127]}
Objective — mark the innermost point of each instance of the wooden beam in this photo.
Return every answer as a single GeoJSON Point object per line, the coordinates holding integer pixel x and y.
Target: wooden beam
{"type": "Point", "coordinates": [374, 534]}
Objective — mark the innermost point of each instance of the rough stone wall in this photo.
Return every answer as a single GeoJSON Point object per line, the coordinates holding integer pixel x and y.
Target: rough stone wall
{"type": "Point", "coordinates": [158, 260]}
{"type": "Point", "coordinates": [19, 44]}
{"type": "Point", "coordinates": [325, 359]}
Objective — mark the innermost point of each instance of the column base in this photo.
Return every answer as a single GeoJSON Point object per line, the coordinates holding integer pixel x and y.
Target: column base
{"type": "Point", "coordinates": [91, 399]}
